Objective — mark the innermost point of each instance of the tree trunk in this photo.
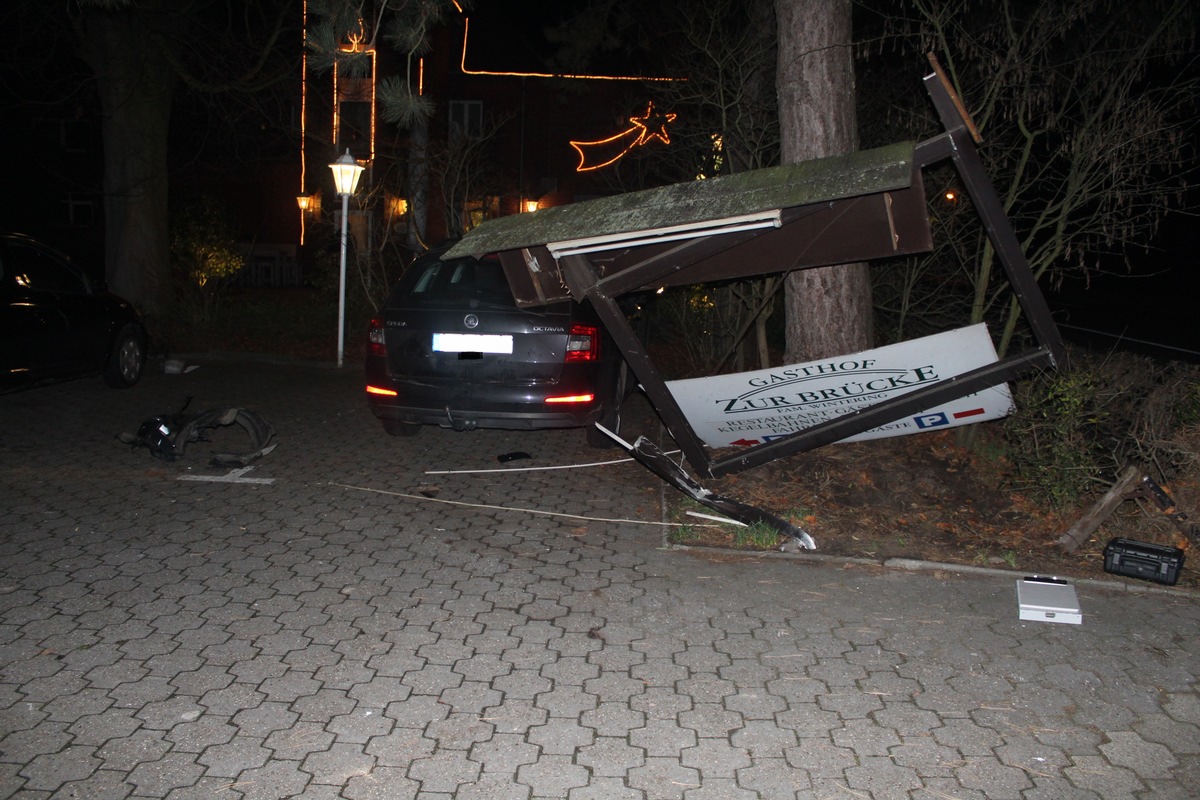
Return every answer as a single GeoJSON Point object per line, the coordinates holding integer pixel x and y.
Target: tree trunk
{"type": "Point", "coordinates": [417, 187]}
{"type": "Point", "coordinates": [135, 84]}
{"type": "Point", "coordinates": [829, 309]}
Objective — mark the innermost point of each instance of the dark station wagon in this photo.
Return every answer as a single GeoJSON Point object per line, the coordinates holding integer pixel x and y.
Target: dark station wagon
{"type": "Point", "coordinates": [57, 323]}
{"type": "Point", "coordinates": [451, 348]}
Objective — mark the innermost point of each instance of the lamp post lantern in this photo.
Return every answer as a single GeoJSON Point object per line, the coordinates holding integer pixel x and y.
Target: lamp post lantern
{"type": "Point", "coordinates": [346, 173]}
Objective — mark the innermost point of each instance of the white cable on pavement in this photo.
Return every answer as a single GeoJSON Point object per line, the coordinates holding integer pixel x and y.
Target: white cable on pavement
{"type": "Point", "coordinates": [510, 508]}
{"type": "Point", "coordinates": [523, 469]}
{"type": "Point", "coordinates": [531, 469]}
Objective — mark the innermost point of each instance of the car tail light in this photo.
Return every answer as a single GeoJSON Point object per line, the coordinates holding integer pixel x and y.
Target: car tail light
{"type": "Point", "coordinates": [381, 390]}
{"type": "Point", "coordinates": [572, 398]}
{"type": "Point", "coordinates": [583, 343]}
{"type": "Point", "coordinates": [375, 338]}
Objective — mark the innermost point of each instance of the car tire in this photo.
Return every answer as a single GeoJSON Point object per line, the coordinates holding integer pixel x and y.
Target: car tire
{"type": "Point", "coordinates": [127, 359]}
{"type": "Point", "coordinates": [395, 427]}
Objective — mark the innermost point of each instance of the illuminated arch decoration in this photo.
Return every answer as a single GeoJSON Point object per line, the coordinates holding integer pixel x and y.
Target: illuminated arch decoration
{"type": "Point", "coordinates": [357, 94]}
{"type": "Point", "coordinates": [603, 152]}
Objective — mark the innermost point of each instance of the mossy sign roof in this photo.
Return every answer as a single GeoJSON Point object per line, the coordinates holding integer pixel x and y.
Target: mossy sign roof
{"type": "Point", "coordinates": [860, 173]}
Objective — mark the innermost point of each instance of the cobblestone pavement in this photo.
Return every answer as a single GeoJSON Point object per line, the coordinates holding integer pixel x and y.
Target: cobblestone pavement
{"type": "Point", "coordinates": [336, 634]}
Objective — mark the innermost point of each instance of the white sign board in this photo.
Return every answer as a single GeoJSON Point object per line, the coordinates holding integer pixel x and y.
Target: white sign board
{"type": "Point", "coordinates": [754, 407]}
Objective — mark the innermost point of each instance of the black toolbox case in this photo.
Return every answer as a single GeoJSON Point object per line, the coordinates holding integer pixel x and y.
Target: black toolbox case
{"type": "Point", "coordinates": [1151, 562]}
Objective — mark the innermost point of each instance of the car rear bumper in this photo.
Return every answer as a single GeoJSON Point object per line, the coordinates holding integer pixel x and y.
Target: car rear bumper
{"type": "Point", "coordinates": [510, 407]}
{"type": "Point", "coordinates": [468, 419]}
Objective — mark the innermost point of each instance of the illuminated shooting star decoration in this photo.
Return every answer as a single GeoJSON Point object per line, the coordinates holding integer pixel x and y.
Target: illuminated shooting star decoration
{"type": "Point", "coordinates": [651, 125]}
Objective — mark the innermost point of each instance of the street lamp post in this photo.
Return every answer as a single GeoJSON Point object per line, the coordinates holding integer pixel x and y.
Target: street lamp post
{"type": "Point", "coordinates": [346, 173]}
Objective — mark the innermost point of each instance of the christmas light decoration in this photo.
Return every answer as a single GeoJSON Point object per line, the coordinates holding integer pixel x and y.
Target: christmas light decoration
{"type": "Point", "coordinates": [361, 90]}
{"type": "Point", "coordinates": [642, 131]}
{"type": "Point", "coordinates": [303, 119]}
{"type": "Point", "coordinates": [574, 76]}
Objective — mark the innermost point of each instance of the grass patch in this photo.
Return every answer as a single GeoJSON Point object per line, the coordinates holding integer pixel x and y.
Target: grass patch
{"type": "Point", "coordinates": [296, 322]}
{"type": "Point", "coordinates": [759, 536]}
{"type": "Point", "coordinates": [684, 534]}
{"type": "Point", "coordinates": [710, 533]}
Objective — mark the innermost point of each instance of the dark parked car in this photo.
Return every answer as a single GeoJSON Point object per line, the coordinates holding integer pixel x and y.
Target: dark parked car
{"type": "Point", "coordinates": [451, 348]}
{"type": "Point", "coordinates": [57, 323]}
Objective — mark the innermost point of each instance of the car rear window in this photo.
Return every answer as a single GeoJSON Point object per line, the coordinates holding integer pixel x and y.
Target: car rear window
{"type": "Point", "coordinates": [457, 282]}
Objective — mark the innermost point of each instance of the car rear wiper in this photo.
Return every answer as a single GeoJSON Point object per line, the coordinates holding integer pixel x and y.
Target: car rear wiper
{"type": "Point", "coordinates": [475, 302]}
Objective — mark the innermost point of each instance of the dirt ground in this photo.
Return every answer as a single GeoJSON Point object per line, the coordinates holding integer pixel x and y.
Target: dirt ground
{"type": "Point", "coordinates": [923, 497]}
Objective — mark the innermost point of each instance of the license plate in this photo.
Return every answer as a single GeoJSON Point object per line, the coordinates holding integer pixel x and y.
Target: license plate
{"type": "Point", "coordinates": [472, 343]}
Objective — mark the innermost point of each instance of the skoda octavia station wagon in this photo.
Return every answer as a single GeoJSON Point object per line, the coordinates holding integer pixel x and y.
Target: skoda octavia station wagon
{"type": "Point", "coordinates": [451, 348]}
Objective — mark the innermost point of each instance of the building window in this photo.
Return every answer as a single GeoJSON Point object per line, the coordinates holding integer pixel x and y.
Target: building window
{"type": "Point", "coordinates": [466, 118]}
{"type": "Point", "coordinates": [75, 135]}
{"type": "Point", "coordinates": [354, 130]}
{"type": "Point", "coordinates": [81, 211]}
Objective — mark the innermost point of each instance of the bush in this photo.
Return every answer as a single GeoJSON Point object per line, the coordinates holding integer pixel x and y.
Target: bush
{"type": "Point", "coordinates": [1051, 436]}
{"type": "Point", "coordinates": [704, 329]}
{"type": "Point", "coordinates": [1073, 431]}
{"type": "Point", "coordinates": [204, 258]}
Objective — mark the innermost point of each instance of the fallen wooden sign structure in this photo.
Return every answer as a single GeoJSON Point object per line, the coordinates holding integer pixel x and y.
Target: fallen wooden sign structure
{"type": "Point", "coordinates": [1132, 483]}
{"type": "Point", "coordinates": [862, 206]}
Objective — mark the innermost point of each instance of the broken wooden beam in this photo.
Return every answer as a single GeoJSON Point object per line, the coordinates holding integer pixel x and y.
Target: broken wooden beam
{"type": "Point", "coordinates": [1079, 533]}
